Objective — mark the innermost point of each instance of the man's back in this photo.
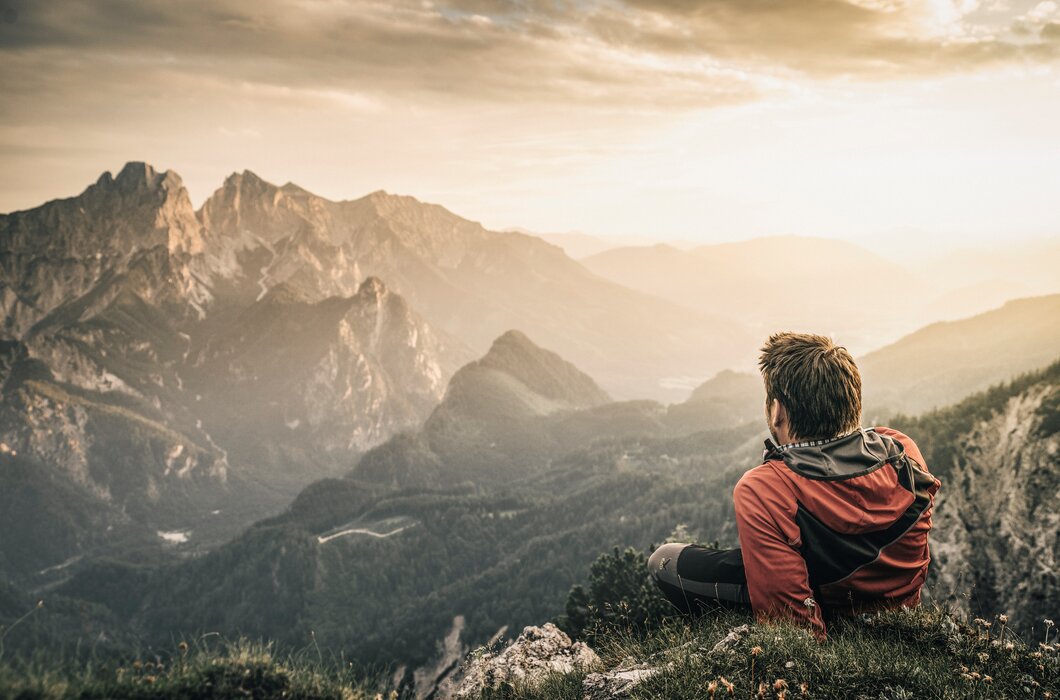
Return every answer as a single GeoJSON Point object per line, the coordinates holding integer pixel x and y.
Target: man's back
{"type": "Point", "coordinates": [836, 526]}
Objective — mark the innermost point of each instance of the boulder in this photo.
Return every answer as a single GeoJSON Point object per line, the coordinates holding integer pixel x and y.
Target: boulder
{"type": "Point", "coordinates": [537, 653]}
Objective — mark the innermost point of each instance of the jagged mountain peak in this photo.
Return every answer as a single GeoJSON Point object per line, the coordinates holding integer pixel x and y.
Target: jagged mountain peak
{"type": "Point", "coordinates": [79, 239]}
{"type": "Point", "coordinates": [385, 205]}
{"type": "Point", "coordinates": [389, 201]}
{"type": "Point", "coordinates": [249, 181]}
{"type": "Point", "coordinates": [373, 293]}
{"type": "Point", "coordinates": [390, 206]}
{"type": "Point", "coordinates": [372, 286]}
{"type": "Point", "coordinates": [61, 249]}
{"type": "Point", "coordinates": [292, 188]}
{"type": "Point", "coordinates": [242, 182]}
{"type": "Point", "coordinates": [139, 176]}
{"type": "Point", "coordinates": [248, 176]}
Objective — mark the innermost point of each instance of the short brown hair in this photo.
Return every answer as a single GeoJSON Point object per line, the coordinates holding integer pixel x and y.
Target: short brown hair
{"type": "Point", "coordinates": [816, 380]}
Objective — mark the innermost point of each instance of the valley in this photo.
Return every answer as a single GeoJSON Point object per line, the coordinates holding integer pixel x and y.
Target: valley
{"type": "Point", "coordinates": [355, 423]}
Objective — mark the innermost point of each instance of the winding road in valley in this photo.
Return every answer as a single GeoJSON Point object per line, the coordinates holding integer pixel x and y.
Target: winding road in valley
{"type": "Point", "coordinates": [361, 531]}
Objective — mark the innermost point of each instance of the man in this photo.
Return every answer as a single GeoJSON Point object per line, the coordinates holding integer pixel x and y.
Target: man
{"type": "Point", "coordinates": [836, 518]}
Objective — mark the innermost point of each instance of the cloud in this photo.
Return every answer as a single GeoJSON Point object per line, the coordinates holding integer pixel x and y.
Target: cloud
{"type": "Point", "coordinates": [1042, 12]}
{"type": "Point", "coordinates": [599, 53]}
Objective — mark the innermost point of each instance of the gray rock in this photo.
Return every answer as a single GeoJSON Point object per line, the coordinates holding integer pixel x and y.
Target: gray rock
{"type": "Point", "coordinates": [534, 655]}
{"type": "Point", "coordinates": [731, 639]}
{"type": "Point", "coordinates": [615, 684]}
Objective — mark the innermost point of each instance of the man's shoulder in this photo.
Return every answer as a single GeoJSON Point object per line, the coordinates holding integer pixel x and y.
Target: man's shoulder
{"type": "Point", "coordinates": [892, 432]}
{"type": "Point", "coordinates": [763, 490]}
{"type": "Point", "coordinates": [910, 445]}
{"type": "Point", "coordinates": [764, 475]}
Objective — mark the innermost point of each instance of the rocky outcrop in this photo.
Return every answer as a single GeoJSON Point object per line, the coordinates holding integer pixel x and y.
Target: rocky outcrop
{"type": "Point", "coordinates": [346, 373]}
{"type": "Point", "coordinates": [533, 656]}
{"type": "Point", "coordinates": [996, 542]}
{"type": "Point", "coordinates": [541, 651]}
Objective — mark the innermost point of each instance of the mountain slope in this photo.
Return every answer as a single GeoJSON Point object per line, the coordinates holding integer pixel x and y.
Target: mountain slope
{"type": "Point", "coordinates": [85, 473]}
{"type": "Point", "coordinates": [471, 282]}
{"type": "Point", "coordinates": [946, 361]}
{"type": "Point", "coordinates": [525, 380]}
{"type": "Point", "coordinates": [932, 367]}
{"type": "Point", "coordinates": [493, 422]}
{"type": "Point", "coordinates": [504, 557]}
{"type": "Point", "coordinates": [996, 542]}
{"type": "Point", "coordinates": [777, 283]}
{"type": "Point", "coordinates": [726, 399]}
{"type": "Point", "coordinates": [334, 376]}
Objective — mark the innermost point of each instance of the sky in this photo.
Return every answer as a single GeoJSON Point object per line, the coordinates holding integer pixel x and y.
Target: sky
{"type": "Point", "coordinates": [876, 121]}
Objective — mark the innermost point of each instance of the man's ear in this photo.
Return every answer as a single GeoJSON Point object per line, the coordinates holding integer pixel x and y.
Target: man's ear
{"type": "Point", "coordinates": [778, 415]}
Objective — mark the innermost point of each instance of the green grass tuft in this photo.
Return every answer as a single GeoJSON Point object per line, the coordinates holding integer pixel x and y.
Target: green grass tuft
{"type": "Point", "coordinates": [219, 670]}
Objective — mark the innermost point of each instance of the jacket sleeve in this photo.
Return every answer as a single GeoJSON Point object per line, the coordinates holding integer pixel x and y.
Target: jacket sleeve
{"type": "Point", "coordinates": [769, 539]}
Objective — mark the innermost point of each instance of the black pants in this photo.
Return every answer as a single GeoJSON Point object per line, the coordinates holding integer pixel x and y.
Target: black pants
{"type": "Point", "coordinates": [695, 578]}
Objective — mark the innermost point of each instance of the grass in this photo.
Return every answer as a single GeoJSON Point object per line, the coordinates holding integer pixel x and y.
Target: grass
{"type": "Point", "coordinates": [207, 668]}
{"type": "Point", "coordinates": [891, 656]}
{"type": "Point", "coordinates": [897, 655]}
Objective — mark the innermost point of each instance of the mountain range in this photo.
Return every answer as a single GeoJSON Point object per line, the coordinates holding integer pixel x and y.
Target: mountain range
{"type": "Point", "coordinates": [189, 371]}
{"type": "Point", "coordinates": [864, 297]}
{"type": "Point", "coordinates": [931, 368]}
{"type": "Point", "coordinates": [379, 425]}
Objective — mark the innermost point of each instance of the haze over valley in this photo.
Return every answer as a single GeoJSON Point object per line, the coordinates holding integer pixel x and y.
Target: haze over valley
{"type": "Point", "coordinates": [312, 386]}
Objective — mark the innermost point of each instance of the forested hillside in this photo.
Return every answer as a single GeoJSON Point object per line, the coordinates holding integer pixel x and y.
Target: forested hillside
{"type": "Point", "coordinates": [386, 572]}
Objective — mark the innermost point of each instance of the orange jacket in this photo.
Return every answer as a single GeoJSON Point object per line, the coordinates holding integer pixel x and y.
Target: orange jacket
{"type": "Point", "coordinates": [840, 524]}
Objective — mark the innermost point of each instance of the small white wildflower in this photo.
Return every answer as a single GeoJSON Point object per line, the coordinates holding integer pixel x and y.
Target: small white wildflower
{"type": "Point", "coordinates": [810, 603]}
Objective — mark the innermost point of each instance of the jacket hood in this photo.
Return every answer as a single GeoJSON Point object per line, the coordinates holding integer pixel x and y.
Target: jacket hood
{"type": "Point", "coordinates": [861, 492]}
{"type": "Point", "coordinates": [847, 457]}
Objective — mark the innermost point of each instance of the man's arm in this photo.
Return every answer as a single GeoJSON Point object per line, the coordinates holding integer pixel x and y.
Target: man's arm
{"type": "Point", "coordinates": [769, 539]}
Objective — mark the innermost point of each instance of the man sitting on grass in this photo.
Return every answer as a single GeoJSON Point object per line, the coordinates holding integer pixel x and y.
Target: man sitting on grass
{"type": "Point", "coordinates": [834, 521]}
